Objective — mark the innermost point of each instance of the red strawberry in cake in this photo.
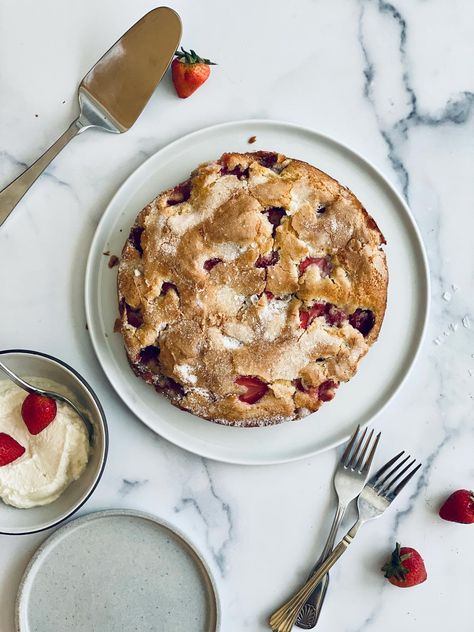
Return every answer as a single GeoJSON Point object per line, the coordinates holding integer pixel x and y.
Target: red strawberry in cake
{"type": "Point", "coordinates": [256, 389]}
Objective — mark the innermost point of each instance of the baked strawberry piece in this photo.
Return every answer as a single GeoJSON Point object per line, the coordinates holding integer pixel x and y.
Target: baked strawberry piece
{"type": "Point", "coordinates": [255, 388]}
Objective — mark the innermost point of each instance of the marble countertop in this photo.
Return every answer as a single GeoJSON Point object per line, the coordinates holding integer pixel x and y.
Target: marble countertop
{"type": "Point", "coordinates": [392, 80]}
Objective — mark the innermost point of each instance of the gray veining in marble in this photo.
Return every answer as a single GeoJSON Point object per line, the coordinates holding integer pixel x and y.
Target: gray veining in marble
{"type": "Point", "coordinates": [394, 81]}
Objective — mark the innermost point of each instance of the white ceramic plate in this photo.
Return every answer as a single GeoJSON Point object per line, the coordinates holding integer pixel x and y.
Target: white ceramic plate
{"type": "Point", "coordinates": [117, 571]}
{"type": "Point", "coordinates": [380, 374]}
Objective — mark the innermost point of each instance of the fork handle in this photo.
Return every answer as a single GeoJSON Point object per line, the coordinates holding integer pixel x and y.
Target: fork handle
{"type": "Point", "coordinates": [309, 614]}
{"type": "Point", "coordinates": [13, 192]}
{"type": "Point", "coordinates": [284, 618]}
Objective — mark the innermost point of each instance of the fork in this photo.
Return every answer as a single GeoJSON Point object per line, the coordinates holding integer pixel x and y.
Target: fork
{"type": "Point", "coordinates": [375, 498]}
{"type": "Point", "coordinates": [349, 478]}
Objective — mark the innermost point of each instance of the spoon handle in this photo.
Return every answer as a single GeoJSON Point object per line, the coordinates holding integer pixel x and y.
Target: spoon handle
{"type": "Point", "coordinates": [13, 192]}
{"type": "Point", "coordinates": [17, 379]}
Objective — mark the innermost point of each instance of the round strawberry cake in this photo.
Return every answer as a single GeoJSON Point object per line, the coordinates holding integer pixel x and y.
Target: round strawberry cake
{"type": "Point", "coordinates": [248, 293]}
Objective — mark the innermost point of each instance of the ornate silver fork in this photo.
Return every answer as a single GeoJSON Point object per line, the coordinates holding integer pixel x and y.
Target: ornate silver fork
{"type": "Point", "coordinates": [349, 479]}
{"type": "Point", "coordinates": [375, 498]}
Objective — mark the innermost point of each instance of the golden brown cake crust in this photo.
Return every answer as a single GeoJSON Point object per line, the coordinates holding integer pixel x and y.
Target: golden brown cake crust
{"type": "Point", "coordinates": [249, 292]}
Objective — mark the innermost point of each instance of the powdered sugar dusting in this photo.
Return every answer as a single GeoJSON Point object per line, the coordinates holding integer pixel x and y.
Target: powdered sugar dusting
{"type": "Point", "coordinates": [229, 251]}
{"type": "Point", "coordinates": [231, 343]}
{"type": "Point", "coordinates": [185, 372]}
{"type": "Point", "coordinates": [200, 391]}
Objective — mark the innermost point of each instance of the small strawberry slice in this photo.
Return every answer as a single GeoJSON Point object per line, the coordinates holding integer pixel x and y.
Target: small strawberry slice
{"type": "Point", "coordinates": [405, 568]}
{"type": "Point", "coordinates": [323, 264]}
{"type": "Point", "coordinates": [165, 286]}
{"type": "Point", "coordinates": [38, 412]}
{"type": "Point", "coordinates": [363, 320]}
{"type": "Point", "coordinates": [210, 263]}
{"type": "Point", "coordinates": [459, 507]}
{"type": "Point", "coordinates": [189, 72]}
{"type": "Point", "coordinates": [334, 315]}
{"type": "Point", "coordinates": [327, 390]}
{"type": "Point", "coordinates": [134, 316]}
{"type": "Point", "coordinates": [265, 261]}
{"type": "Point", "coordinates": [10, 449]}
{"type": "Point", "coordinates": [274, 215]}
{"type": "Point", "coordinates": [307, 316]}
{"type": "Point", "coordinates": [256, 389]}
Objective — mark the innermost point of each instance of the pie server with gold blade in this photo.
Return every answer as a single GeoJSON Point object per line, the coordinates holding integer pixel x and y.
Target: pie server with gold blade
{"type": "Point", "coordinates": [114, 92]}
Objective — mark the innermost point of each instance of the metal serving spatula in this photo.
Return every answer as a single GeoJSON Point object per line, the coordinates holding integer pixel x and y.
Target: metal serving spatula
{"type": "Point", "coordinates": [114, 92]}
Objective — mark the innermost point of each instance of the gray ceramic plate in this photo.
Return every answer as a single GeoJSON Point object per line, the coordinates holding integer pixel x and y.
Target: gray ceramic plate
{"type": "Point", "coordinates": [117, 571]}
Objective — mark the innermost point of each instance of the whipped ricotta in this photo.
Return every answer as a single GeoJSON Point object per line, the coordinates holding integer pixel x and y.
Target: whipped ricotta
{"type": "Point", "coordinates": [53, 458]}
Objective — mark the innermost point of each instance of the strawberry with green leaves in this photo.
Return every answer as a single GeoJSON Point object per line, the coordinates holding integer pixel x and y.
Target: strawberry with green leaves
{"type": "Point", "coordinates": [405, 568]}
{"type": "Point", "coordinates": [189, 72]}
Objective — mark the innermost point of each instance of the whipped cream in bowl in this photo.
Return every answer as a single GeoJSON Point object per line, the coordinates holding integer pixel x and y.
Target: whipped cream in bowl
{"type": "Point", "coordinates": [56, 469]}
{"type": "Point", "coordinates": [52, 459]}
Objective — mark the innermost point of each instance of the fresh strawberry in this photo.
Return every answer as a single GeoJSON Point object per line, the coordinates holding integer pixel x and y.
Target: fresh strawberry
{"type": "Point", "coordinates": [405, 568]}
{"type": "Point", "coordinates": [256, 389]}
{"type": "Point", "coordinates": [189, 71]}
{"type": "Point", "coordinates": [10, 450]}
{"type": "Point", "coordinates": [459, 507]}
{"type": "Point", "coordinates": [38, 412]}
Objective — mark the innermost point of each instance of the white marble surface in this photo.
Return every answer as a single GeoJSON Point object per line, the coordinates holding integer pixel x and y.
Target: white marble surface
{"type": "Point", "coordinates": [395, 82]}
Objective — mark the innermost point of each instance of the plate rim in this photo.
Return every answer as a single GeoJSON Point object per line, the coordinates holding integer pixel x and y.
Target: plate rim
{"type": "Point", "coordinates": [49, 543]}
{"type": "Point", "coordinates": [424, 278]}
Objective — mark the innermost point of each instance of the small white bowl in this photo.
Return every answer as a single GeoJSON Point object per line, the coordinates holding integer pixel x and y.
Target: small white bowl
{"type": "Point", "coordinates": [15, 521]}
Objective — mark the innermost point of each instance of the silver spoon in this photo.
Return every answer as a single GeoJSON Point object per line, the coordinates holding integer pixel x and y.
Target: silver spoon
{"type": "Point", "coordinates": [29, 388]}
{"type": "Point", "coordinates": [114, 92]}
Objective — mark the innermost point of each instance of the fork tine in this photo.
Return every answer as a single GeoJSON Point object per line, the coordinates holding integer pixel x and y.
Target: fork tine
{"type": "Point", "coordinates": [347, 451]}
{"type": "Point", "coordinates": [354, 456]}
{"type": "Point", "coordinates": [370, 458]}
{"type": "Point", "coordinates": [403, 482]}
{"type": "Point", "coordinates": [394, 469]}
{"type": "Point", "coordinates": [384, 468]}
{"type": "Point", "coordinates": [364, 450]}
{"type": "Point", "coordinates": [387, 484]}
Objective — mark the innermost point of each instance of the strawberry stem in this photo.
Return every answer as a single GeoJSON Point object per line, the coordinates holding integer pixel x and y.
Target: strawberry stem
{"type": "Point", "coordinates": [192, 57]}
{"type": "Point", "coordinates": [395, 568]}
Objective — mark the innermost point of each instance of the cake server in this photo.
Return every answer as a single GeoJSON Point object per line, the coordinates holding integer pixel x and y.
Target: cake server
{"type": "Point", "coordinates": [114, 92]}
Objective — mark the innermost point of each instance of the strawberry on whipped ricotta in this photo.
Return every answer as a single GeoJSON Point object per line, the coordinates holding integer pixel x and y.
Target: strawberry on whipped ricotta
{"type": "Point", "coordinates": [51, 460]}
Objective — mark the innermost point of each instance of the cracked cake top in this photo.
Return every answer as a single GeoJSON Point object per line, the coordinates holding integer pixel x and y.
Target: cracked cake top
{"type": "Point", "coordinates": [250, 291]}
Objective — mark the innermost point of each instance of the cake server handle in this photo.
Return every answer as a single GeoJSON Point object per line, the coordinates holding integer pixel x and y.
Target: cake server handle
{"type": "Point", "coordinates": [13, 192]}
